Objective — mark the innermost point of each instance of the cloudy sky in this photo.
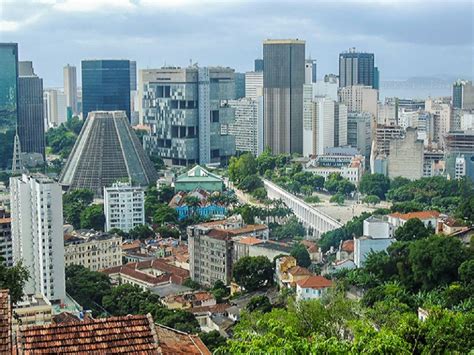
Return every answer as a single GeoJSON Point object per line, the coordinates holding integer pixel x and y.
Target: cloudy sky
{"type": "Point", "coordinates": [409, 37]}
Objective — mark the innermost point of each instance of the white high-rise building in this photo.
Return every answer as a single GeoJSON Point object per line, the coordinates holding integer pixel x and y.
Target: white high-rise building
{"type": "Point", "coordinates": [37, 233]}
{"type": "Point", "coordinates": [70, 87]}
{"type": "Point", "coordinates": [248, 125]}
{"type": "Point", "coordinates": [359, 98]}
{"type": "Point", "coordinates": [124, 206]}
{"type": "Point", "coordinates": [442, 113]}
{"type": "Point", "coordinates": [324, 124]}
{"type": "Point", "coordinates": [55, 107]}
{"type": "Point", "coordinates": [253, 84]}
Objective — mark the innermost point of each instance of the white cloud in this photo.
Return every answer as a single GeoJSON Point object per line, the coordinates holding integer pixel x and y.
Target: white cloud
{"type": "Point", "coordinates": [13, 26]}
{"type": "Point", "coordinates": [92, 5]}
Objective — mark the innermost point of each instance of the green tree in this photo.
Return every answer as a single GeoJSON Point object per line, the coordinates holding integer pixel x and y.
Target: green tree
{"type": "Point", "coordinates": [371, 200]}
{"type": "Point", "coordinates": [14, 279]}
{"type": "Point", "coordinates": [253, 273]}
{"type": "Point", "coordinates": [212, 340]}
{"type": "Point", "coordinates": [165, 193]}
{"type": "Point", "coordinates": [466, 271]}
{"type": "Point", "coordinates": [92, 217]}
{"type": "Point", "coordinates": [260, 193]}
{"type": "Point", "coordinates": [240, 168]}
{"type": "Point", "coordinates": [167, 232]}
{"type": "Point", "coordinates": [337, 198]}
{"type": "Point", "coordinates": [165, 214]}
{"type": "Point", "coordinates": [250, 183]}
{"type": "Point", "coordinates": [374, 184]}
{"type": "Point", "coordinates": [435, 261]}
{"type": "Point", "coordinates": [219, 290]}
{"type": "Point", "coordinates": [87, 287]}
{"type": "Point", "coordinates": [291, 229]}
{"type": "Point", "coordinates": [74, 203]}
{"type": "Point", "coordinates": [259, 303]}
{"type": "Point", "coordinates": [141, 232]}
{"type": "Point", "coordinates": [248, 213]}
{"type": "Point", "coordinates": [300, 253]}
{"type": "Point", "coordinates": [413, 229]}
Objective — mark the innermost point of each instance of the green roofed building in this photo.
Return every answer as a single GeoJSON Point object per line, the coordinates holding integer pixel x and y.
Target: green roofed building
{"type": "Point", "coordinates": [198, 178]}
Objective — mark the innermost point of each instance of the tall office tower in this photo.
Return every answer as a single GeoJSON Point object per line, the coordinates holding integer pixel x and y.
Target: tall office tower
{"type": "Point", "coordinates": [25, 68]}
{"type": "Point", "coordinates": [442, 115]}
{"type": "Point", "coordinates": [376, 78]}
{"type": "Point", "coordinates": [248, 125]}
{"type": "Point", "coordinates": [283, 79]}
{"type": "Point", "coordinates": [463, 95]}
{"type": "Point", "coordinates": [253, 84]}
{"type": "Point", "coordinates": [239, 85]}
{"type": "Point", "coordinates": [6, 246]}
{"type": "Point", "coordinates": [258, 65]}
{"type": "Point", "coordinates": [8, 101]}
{"type": "Point", "coordinates": [133, 75]}
{"type": "Point", "coordinates": [31, 112]}
{"type": "Point", "coordinates": [356, 68]}
{"type": "Point", "coordinates": [187, 111]}
{"type": "Point", "coordinates": [124, 206]}
{"type": "Point", "coordinates": [37, 233]}
{"type": "Point", "coordinates": [328, 125]}
{"type": "Point", "coordinates": [105, 86]}
{"type": "Point", "coordinates": [106, 151]}
{"type": "Point", "coordinates": [309, 71]}
{"type": "Point", "coordinates": [460, 146]}
{"type": "Point", "coordinates": [55, 110]}
{"type": "Point", "coordinates": [359, 99]}
{"type": "Point", "coordinates": [359, 132]}
{"type": "Point", "coordinates": [70, 89]}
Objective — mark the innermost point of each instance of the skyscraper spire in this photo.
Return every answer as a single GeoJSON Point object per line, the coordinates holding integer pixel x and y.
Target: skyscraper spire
{"type": "Point", "coordinates": [17, 166]}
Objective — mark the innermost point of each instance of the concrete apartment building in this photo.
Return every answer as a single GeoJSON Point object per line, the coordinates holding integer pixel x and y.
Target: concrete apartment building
{"type": "Point", "coordinates": [248, 125]}
{"type": "Point", "coordinates": [93, 250]}
{"type": "Point", "coordinates": [37, 233]}
{"type": "Point", "coordinates": [406, 156]}
{"type": "Point", "coordinates": [70, 88]}
{"type": "Point", "coordinates": [124, 206]}
{"type": "Point", "coordinates": [188, 113]}
{"type": "Point", "coordinates": [253, 84]}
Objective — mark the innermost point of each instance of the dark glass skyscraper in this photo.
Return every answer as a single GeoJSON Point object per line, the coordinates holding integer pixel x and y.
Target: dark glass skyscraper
{"type": "Point", "coordinates": [239, 85]}
{"type": "Point", "coordinates": [105, 86]}
{"type": "Point", "coordinates": [30, 112]}
{"type": "Point", "coordinates": [356, 68]}
{"type": "Point", "coordinates": [8, 101]}
{"type": "Point", "coordinates": [283, 79]}
{"type": "Point", "coordinates": [258, 65]}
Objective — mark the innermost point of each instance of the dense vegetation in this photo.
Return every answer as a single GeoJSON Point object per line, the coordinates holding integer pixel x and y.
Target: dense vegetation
{"type": "Point", "coordinates": [60, 140]}
{"type": "Point", "coordinates": [94, 292]}
{"type": "Point", "coordinates": [14, 279]}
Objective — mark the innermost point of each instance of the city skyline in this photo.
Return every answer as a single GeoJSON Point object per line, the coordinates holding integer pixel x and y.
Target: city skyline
{"type": "Point", "coordinates": [408, 38]}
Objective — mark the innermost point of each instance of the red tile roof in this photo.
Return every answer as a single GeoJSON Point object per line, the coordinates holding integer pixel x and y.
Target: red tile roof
{"type": "Point", "coordinates": [250, 241]}
{"type": "Point", "coordinates": [138, 275]}
{"type": "Point", "coordinates": [129, 334]}
{"type": "Point", "coordinates": [348, 246]}
{"type": "Point", "coordinates": [174, 342]}
{"type": "Point", "coordinates": [420, 215]}
{"type": "Point", "coordinates": [5, 323]}
{"type": "Point", "coordinates": [299, 271]}
{"type": "Point", "coordinates": [312, 247]}
{"type": "Point", "coordinates": [217, 308]}
{"type": "Point", "coordinates": [316, 282]}
{"type": "Point", "coordinates": [248, 229]}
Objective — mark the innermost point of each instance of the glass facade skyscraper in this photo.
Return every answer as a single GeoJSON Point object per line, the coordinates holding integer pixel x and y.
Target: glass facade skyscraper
{"type": "Point", "coordinates": [258, 65]}
{"type": "Point", "coordinates": [357, 68]}
{"type": "Point", "coordinates": [105, 86]}
{"type": "Point", "coordinates": [8, 101]}
{"type": "Point", "coordinates": [283, 79]}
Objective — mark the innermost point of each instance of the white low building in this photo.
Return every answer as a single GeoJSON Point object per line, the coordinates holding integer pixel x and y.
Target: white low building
{"type": "Point", "coordinates": [312, 287]}
{"type": "Point", "coordinates": [124, 206]}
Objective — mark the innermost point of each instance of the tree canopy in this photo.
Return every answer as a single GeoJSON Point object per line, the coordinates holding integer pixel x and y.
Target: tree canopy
{"type": "Point", "coordinates": [300, 253]}
{"type": "Point", "coordinates": [413, 229]}
{"type": "Point", "coordinates": [374, 184]}
{"type": "Point", "coordinates": [253, 272]}
{"type": "Point", "coordinates": [14, 279]}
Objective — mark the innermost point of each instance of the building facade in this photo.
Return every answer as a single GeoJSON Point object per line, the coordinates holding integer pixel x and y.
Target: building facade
{"type": "Point", "coordinates": [357, 68]}
{"type": "Point", "coordinates": [93, 250]}
{"type": "Point", "coordinates": [239, 85]}
{"type": "Point", "coordinates": [253, 84]}
{"type": "Point", "coordinates": [6, 246]}
{"type": "Point", "coordinates": [105, 86]}
{"type": "Point", "coordinates": [31, 112]}
{"type": "Point", "coordinates": [55, 111]}
{"type": "Point", "coordinates": [359, 98]}
{"type": "Point", "coordinates": [188, 113]}
{"type": "Point", "coordinates": [124, 206]}
{"type": "Point", "coordinates": [70, 89]}
{"type": "Point", "coordinates": [37, 233]}
{"type": "Point", "coordinates": [463, 95]}
{"type": "Point", "coordinates": [406, 156]}
{"type": "Point", "coordinates": [283, 79]}
{"type": "Point", "coordinates": [359, 133]}
{"type": "Point", "coordinates": [8, 101]}
{"type": "Point", "coordinates": [248, 125]}
{"type": "Point", "coordinates": [459, 154]}
{"type": "Point", "coordinates": [258, 65]}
